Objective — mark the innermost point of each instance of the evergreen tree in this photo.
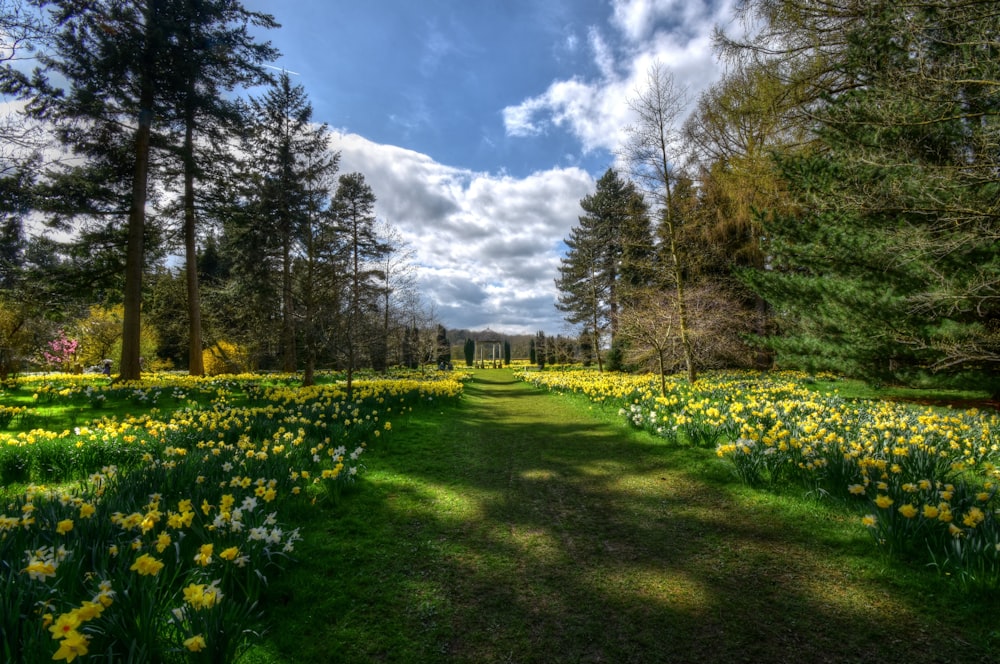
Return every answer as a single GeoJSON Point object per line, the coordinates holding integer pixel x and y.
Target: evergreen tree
{"type": "Point", "coordinates": [609, 254]}
{"type": "Point", "coordinates": [470, 352]}
{"type": "Point", "coordinates": [541, 350]}
{"type": "Point", "coordinates": [217, 54]}
{"type": "Point", "coordinates": [112, 63]}
{"type": "Point", "coordinates": [888, 269]}
{"type": "Point", "coordinates": [443, 347]}
{"type": "Point", "coordinates": [290, 161]}
{"type": "Point", "coordinates": [354, 225]}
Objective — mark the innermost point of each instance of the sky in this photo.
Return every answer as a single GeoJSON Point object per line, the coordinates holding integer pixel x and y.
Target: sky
{"type": "Point", "coordinates": [480, 124]}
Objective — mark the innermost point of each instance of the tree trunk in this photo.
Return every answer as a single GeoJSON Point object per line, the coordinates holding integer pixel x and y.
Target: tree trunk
{"type": "Point", "coordinates": [130, 366]}
{"type": "Point", "coordinates": [196, 366]}
{"type": "Point", "coordinates": [288, 361]}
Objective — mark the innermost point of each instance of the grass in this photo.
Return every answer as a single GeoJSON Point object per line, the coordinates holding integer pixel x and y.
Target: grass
{"type": "Point", "coordinates": [858, 389]}
{"type": "Point", "coordinates": [526, 527]}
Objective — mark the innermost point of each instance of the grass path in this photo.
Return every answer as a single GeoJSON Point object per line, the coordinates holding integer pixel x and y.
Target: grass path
{"type": "Point", "coordinates": [522, 528]}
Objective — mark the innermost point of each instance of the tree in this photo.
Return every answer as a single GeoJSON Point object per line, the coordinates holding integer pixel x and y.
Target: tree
{"type": "Point", "coordinates": [541, 350]}
{"type": "Point", "coordinates": [113, 65]}
{"type": "Point", "coordinates": [115, 61]}
{"type": "Point", "coordinates": [653, 153]}
{"type": "Point", "coordinates": [469, 349]}
{"type": "Point", "coordinates": [608, 255]}
{"type": "Point", "coordinates": [396, 284]}
{"type": "Point", "coordinates": [714, 334]}
{"type": "Point", "coordinates": [290, 160]}
{"type": "Point", "coordinates": [218, 54]}
{"type": "Point", "coordinates": [888, 267]}
{"type": "Point", "coordinates": [443, 355]}
{"type": "Point", "coordinates": [354, 224]}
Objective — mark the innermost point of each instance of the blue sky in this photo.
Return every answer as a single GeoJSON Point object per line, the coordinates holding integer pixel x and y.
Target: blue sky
{"type": "Point", "coordinates": [480, 124]}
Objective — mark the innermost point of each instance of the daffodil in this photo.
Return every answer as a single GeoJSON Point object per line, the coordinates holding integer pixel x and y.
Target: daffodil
{"type": "Point", "coordinates": [196, 643]}
{"type": "Point", "coordinates": [884, 501]}
{"type": "Point", "coordinates": [204, 555]}
{"type": "Point", "coordinates": [65, 624]}
{"type": "Point", "coordinates": [146, 565]}
{"type": "Point", "coordinates": [72, 645]}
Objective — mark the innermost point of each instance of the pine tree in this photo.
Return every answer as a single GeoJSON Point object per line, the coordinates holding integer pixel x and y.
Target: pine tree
{"type": "Point", "coordinates": [609, 255]}
{"type": "Point", "coordinates": [217, 54]}
{"type": "Point", "coordinates": [111, 63]}
{"type": "Point", "coordinates": [889, 269]}
{"type": "Point", "coordinates": [290, 161]}
{"type": "Point", "coordinates": [354, 225]}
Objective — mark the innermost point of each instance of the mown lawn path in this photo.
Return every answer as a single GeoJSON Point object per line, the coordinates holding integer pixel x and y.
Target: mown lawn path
{"type": "Point", "coordinates": [522, 528]}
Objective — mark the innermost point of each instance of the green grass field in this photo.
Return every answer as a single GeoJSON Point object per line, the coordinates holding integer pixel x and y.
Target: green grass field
{"type": "Point", "coordinates": [527, 527]}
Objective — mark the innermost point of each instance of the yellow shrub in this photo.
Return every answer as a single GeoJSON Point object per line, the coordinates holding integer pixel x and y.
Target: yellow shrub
{"type": "Point", "coordinates": [224, 357]}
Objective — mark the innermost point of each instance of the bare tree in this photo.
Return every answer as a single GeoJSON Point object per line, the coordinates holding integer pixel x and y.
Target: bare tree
{"type": "Point", "coordinates": [653, 153]}
{"type": "Point", "coordinates": [652, 324]}
{"type": "Point", "coordinates": [397, 278]}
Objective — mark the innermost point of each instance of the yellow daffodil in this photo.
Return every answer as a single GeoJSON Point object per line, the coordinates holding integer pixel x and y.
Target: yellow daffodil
{"type": "Point", "coordinates": [884, 501]}
{"type": "Point", "coordinates": [72, 645]}
{"type": "Point", "coordinates": [196, 643]}
{"type": "Point", "coordinates": [146, 565]}
{"type": "Point", "coordinates": [204, 555]}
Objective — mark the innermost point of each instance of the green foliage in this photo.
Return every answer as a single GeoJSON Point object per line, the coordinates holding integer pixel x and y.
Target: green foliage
{"type": "Point", "coordinates": [887, 268]}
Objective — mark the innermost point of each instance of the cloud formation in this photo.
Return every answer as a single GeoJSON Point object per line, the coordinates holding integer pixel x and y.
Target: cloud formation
{"type": "Point", "coordinates": [487, 246]}
{"type": "Point", "coordinates": [676, 33]}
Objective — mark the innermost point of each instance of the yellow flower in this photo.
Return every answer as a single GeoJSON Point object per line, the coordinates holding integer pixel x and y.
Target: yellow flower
{"type": "Point", "coordinates": [869, 520]}
{"type": "Point", "coordinates": [72, 645]}
{"type": "Point", "coordinates": [162, 541]}
{"type": "Point", "coordinates": [87, 510]}
{"type": "Point", "coordinates": [40, 569]}
{"type": "Point", "coordinates": [146, 565]}
{"type": "Point", "coordinates": [89, 611]}
{"type": "Point", "coordinates": [195, 644]}
{"type": "Point", "coordinates": [64, 526]}
{"type": "Point", "coordinates": [230, 553]}
{"type": "Point", "coordinates": [856, 489]}
{"type": "Point", "coordinates": [931, 512]}
{"type": "Point", "coordinates": [974, 517]}
{"type": "Point", "coordinates": [204, 555]}
{"type": "Point", "coordinates": [908, 510]}
{"type": "Point", "coordinates": [65, 625]}
{"type": "Point", "coordinates": [884, 501]}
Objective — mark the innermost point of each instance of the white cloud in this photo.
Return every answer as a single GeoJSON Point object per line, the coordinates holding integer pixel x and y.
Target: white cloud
{"type": "Point", "coordinates": [487, 245]}
{"type": "Point", "coordinates": [676, 33]}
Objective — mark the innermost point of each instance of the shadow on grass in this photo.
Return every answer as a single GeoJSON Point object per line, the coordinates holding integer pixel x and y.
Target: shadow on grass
{"type": "Point", "coordinates": [521, 530]}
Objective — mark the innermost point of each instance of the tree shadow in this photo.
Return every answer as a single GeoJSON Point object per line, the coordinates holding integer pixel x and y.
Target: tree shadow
{"type": "Point", "coordinates": [531, 536]}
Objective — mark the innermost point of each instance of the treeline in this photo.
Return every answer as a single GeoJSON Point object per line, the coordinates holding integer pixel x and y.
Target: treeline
{"type": "Point", "coordinates": [175, 138]}
{"type": "Point", "coordinates": [831, 203]}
